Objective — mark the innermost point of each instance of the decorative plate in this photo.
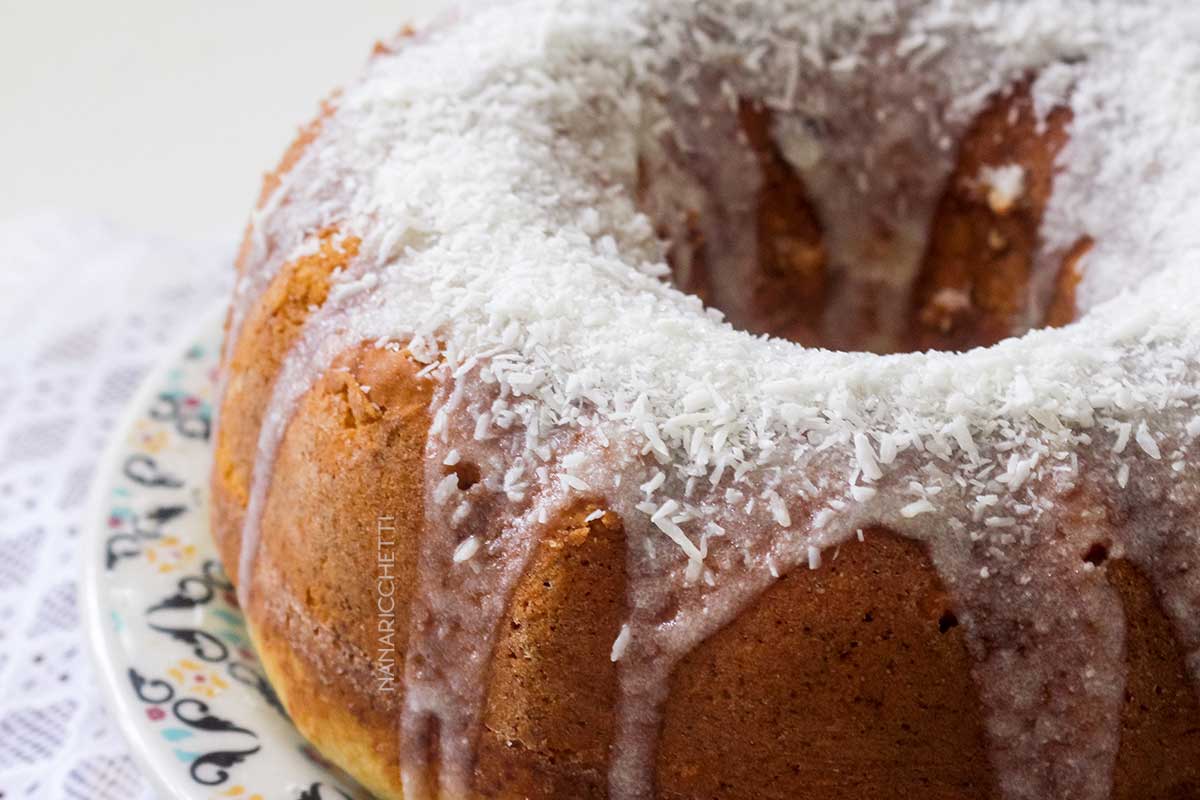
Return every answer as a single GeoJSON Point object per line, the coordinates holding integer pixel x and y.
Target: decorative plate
{"type": "Point", "coordinates": [168, 640]}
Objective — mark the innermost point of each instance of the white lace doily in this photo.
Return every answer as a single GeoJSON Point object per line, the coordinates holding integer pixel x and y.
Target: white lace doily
{"type": "Point", "coordinates": [85, 310]}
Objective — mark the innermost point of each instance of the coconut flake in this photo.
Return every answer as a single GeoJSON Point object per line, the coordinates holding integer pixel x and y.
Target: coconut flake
{"type": "Point", "coordinates": [466, 549]}
{"type": "Point", "coordinates": [620, 643]}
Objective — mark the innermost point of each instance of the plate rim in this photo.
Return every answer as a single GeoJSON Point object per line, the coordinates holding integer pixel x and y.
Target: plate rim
{"type": "Point", "coordinates": [98, 637]}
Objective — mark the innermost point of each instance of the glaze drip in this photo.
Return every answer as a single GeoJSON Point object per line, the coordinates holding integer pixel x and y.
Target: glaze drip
{"type": "Point", "coordinates": [477, 542]}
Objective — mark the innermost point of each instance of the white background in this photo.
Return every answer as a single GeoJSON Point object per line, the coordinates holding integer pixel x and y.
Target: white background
{"type": "Point", "coordinates": [162, 115]}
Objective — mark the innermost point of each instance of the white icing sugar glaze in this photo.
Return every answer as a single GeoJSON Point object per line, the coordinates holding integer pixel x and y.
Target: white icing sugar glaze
{"type": "Point", "coordinates": [490, 167]}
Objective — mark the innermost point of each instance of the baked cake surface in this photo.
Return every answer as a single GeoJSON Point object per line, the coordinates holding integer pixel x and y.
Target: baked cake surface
{"type": "Point", "coordinates": [521, 503]}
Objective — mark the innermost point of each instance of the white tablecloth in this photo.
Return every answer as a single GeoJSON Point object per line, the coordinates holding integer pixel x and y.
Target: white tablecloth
{"type": "Point", "coordinates": [86, 310]}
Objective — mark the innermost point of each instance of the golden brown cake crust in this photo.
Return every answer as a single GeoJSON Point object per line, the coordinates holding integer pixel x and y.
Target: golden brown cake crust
{"type": "Point", "coordinates": [1159, 757]}
{"type": "Point", "coordinates": [348, 476]}
{"type": "Point", "coordinates": [974, 285]}
{"type": "Point", "coordinates": [858, 668]}
{"type": "Point", "coordinates": [549, 714]}
{"type": "Point", "coordinates": [253, 363]}
{"type": "Point", "coordinates": [847, 681]}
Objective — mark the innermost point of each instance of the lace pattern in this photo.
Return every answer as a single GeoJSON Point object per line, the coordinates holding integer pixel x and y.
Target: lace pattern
{"type": "Point", "coordinates": [86, 309]}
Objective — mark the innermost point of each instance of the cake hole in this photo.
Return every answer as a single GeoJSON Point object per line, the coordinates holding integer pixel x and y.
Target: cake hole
{"type": "Point", "coordinates": [1097, 554]}
{"type": "Point", "coordinates": [947, 621]}
{"type": "Point", "coordinates": [870, 274]}
{"type": "Point", "coordinates": [468, 474]}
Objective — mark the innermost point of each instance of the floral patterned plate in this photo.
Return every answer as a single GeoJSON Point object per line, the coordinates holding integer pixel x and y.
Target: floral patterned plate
{"type": "Point", "coordinates": [168, 641]}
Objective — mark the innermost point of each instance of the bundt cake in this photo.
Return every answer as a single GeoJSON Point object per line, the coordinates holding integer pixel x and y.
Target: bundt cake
{"type": "Point", "coordinates": [750, 399]}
